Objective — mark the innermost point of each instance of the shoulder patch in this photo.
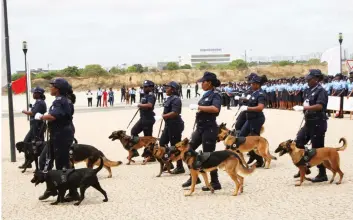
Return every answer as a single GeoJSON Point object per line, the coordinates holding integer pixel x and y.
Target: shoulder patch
{"type": "Point", "coordinates": [58, 98]}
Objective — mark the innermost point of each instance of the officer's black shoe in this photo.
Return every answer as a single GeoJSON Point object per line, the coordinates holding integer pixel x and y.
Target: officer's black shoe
{"type": "Point", "coordinates": [252, 157]}
{"type": "Point", "coordinates": [188, 182]}
{"type": "Point", "coordinates": [307, 172]}
{"type": "Point", "coordinates": [319, 178]}
{"type": "Point", "coordinates": [47, 194]}
{"type": "Point", "coordinates": [23, 166]}
{"type": "Point", "coordinates": [215, 186]}
{"type": "Point", "coordinates": [178, 170]}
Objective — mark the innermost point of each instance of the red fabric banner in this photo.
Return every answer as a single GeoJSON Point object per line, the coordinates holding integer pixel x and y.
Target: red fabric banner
{"type": "Point", "coordinates": [19, 86]}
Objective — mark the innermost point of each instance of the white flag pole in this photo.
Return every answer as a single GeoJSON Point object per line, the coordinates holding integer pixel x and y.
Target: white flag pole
{"type": "Point", "coordinates": [29, 87]}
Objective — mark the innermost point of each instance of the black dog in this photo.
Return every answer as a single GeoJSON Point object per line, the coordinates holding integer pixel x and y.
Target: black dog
{"type": "Point", "coordinates": [63, 180]}
{"type": "Point", "coordinates": [32, 152]}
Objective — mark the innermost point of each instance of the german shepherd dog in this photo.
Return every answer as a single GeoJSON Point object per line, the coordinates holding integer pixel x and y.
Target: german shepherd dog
{"type": "Point", "coordinates": [225, 159]}
{"type": "Point", "coordinates": [257, 143]}
{"type": "Point", "coordinates": [327, 155]}
{"type": "Point", "coordinates": [126, 140]}
{"type": "Point", "coordinates": [80, 178]}
{"type": "Point", "coordinates": [91, 155]}
{"type": "Point", "coordinates": [32, 152]}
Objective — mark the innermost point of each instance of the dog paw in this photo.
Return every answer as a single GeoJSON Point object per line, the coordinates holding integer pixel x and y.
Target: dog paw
{"type": "Point", "coordinates": [298, 184]}
{"type": "Point", "coordinates": [54, 203]}
{"type": "Point", "coordinates": [77, 203]}
{"type": "Point", "coordinates": [187, 194]}
{"type": "Point", "coordinates": [234, 194]}
{"type": "Point", "coordinates": [212, 190]}
{"type": "Point", "coordinates": [338, 183]}
{"type": "Point", "coordinates": [105, 200]}
{"type": "Point", "coordinates": [110, 176]}
{"type": "Point", "coordinates": [158, 176]}
{"type": "Point", "coordinates": [23, 171]}
{"type": "Point", "coordinates": [331, 181]}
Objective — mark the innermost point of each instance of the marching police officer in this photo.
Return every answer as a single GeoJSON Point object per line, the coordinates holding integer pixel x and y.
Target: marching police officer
{"type": "Point", "coordinates": [255, 118]}
{"type": "Point", "coordinates": [37, 128]}
{"type": "Point", "coordinates": [206, 131]}
{"type": "Point", "coordinates": [60, 130]}
{"type": "Point", "coordinates": [314, 129]}
{"type": "Point", "coordinates": [174, 125]}
{"type": "Point", "coordinates": [146, 107]}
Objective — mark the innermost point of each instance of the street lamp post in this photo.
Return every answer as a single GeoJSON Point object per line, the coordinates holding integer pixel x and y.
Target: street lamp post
{"type": "Point", "coordinates": [25, 49]}
{"type": "Point", "coordinates": [340, 39]}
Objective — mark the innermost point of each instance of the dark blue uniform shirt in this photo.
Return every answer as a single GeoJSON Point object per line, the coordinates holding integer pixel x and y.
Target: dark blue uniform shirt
{"type": "Point", "coordinates": [173, 104]}
{"type": "Point", "coordinates": [148, 113]}
{"type": "Point", "coordinates": [210, 98]}
{"type": "Point", "coordinates": [257, 97]}
{"type": "Point", "coordinates": [39, 107]}
{"type": "Point", "coordinates": [316, 95]}
{"type": "Point", "coordinates": [62, 112]}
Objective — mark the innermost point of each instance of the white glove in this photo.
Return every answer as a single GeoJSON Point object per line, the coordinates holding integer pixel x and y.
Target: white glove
{"type": "Point", "coordinates": [298, 108]}
{"type": "Point", "coordinates": [236, 97]}
{"type": "Point", "coordinates": [194, 106]}
{"type": "Point", "coordinates": [243, 108]}
{"type": "Point", "coordinates": [21, 110]}
{"type": "Point", "coordinates": [157, 117]}
{"type": "Point", "coordinates": [135, 104]}
{"type": "Point", "coordinates": [306, 103]}
{"type": "Point", "coordinates": [38, 116]}
{"type": "Point", "coordinates": [248, 96]}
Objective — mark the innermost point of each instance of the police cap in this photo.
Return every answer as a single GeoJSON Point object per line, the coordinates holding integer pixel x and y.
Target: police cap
{"type": "Point", "coordinates": [313, 73]}
{"type": "Point", "coordinates": [61, 84]}
{"type": "Point", "coordinates": [173, 84]}
{"type": "Point", "coordinates": [148, 83]}
{"type": "Point", "coordinates": [38, 90]}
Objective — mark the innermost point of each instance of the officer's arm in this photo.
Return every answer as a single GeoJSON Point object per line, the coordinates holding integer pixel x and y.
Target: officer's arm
{"type": "Point", "coordinates": [215, 107]}
{"type": "Point", "coordinates": [48, 117]}
{"type": "Point", "coordinates": [260, 106]}
{"type": "Point", "coordinates": [176, 109]}
{"type": "Point", "coordinates": [149, 104]}
{"type": "Point", "coordinates": [322, 99]}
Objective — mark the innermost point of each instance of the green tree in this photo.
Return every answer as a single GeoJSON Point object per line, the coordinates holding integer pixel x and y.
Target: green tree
{"type": "Point", "coordinates": [185, 66]}
{"type": "Point", "coordinates": [253, 63]}
{"type": "Point", "coordinates": [203, 66]}
{"type": "Point", "coordinates": [94, 70]}
{"type": "Point", "coordinates": [139, 68]}
{"type": "Point", "coordinates": [117, 70]}
{"type": "Point", "coordinates": [132, 69]}
{"type": "Point", "coordinates": [285, 63]}
{"type": "Point", "coordinates": [145, 69]}
{"type": "Point", "coordinates": [238, 64]}
{"type": "Point", "coordinates": [314, 62]}
{"type": "Point", "coordinates": [172, 66]}
{"type": "Point", "coordinates": [16, 76]}
{"type": "Point", "coordinates": [71, 71]}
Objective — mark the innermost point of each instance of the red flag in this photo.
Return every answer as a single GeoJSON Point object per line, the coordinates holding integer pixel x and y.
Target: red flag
{"type": "Point", "coordinates": [19, 86]}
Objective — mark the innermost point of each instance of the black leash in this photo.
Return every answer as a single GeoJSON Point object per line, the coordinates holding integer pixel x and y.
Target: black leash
{"type": "Point", "coordinates": [160, 127]}
{"type": "Point", "coordinates": [133, 118]}
{"type": "Point", "coordinates": [236, 116]}
{"type": "Point", "coordinates": [48, 154]}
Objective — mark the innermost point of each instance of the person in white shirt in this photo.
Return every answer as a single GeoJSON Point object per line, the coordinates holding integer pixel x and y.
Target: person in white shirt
{"type": "Point", "coordinates": [142, 93]}
{"type": "Point", "coordinates": [99, 97]}
{"type": "Point", "coordinates": [133, 95]}
{"type": "Point", "coordinates": [160, 93]}
{"type": "Point", "coordinates": [89, 98]}
{"type": "Point", "coordinates": [188, 91]}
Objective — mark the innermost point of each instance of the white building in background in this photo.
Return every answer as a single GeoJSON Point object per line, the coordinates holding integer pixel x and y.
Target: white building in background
{"type": "Point", "coordinates": [213, 56]}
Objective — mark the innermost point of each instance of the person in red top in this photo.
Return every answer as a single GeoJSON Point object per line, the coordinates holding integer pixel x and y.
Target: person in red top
{"type": "Point", "coordinates": [105, 98]}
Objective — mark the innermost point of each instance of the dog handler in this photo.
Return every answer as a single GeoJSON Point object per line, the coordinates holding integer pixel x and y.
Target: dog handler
{"type": "Point", "coordinates": [206, 131]}
{"type": "Point", "coordinates": [37, 128]}
{"type": "Point", "coordinates": [174, 125]}
{"type": "Point", "coordinates": [60, 129]}
{"type": "Point", "coordinates": [146, 121]}
{"type": "Point", "coordinates": [314, 129]}
{"type": "Point", "coordinates": [255, 118]}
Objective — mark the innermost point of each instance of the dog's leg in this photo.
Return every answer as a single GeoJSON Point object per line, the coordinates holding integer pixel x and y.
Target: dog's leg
{"type": "Point", "coordinates": [207, 183]}
{"type": "Point", "coordinates": [129, 157]}
{"type": "Point", "coordinates": [335, 166]}
{"type": "Point", "coordinates": [327, 164]}
{"type": "Point", "coordinates": [302, 175]}
{"type": "Point", "coordinates": [27, 163]}
{"type": "Point", "coordinates": [233, 175]}
{"type": "Point", "coordinates": [36, 163]}
{"type": "Point", "coordinates": [161, 167]}
{"type": "Point", "coordinates": [241, 180]}
{"type": "Point", "coordinates": [82, 194]}
{"type": "Point", "coordinates": [60, 197]}
{"type": "Point", "coordinates": [109, 170]}
{"type": "Point", "coordinates": [98, 187]}
{"type": "Point", "coordinates": [194, 175]}
{"type": "Point", "coordinates": [241, 155]}
{"type": "Point", "coordinates": [168, 167]}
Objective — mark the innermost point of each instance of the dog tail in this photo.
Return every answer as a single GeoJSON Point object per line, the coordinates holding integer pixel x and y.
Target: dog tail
{"type": "Point", "coordinates": [262, 130]}
{"type": "Point", "coordinates": [110, 163]}
{"type": "Point", "coordinates": [344, 145]}
{"type": "Point", "coordinates": [100, 165]}
{"type": "Point", "coordinates": [244, 171]}
{"type": "Point", "coordinates": [268, 146]}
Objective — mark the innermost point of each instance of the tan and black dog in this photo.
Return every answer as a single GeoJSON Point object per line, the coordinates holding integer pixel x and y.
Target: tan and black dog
{"type": "Point", "coordinates": [127, 141]}
{"type": "Point", "coordinates": [327, 155]}
{"type": "Point", "coordinates": [245, 144]}
{"type": "Point", "coordinates": [225, 159]}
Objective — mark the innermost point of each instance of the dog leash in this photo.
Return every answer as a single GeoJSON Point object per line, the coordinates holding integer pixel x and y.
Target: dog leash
{"type": "Point", "coordinates": [236, 116]}
{"type": "Point", "coordinates": [133, 118]}
{"type": "Point", "coordinates": [160, 127]}
{"type": "Point", "coordinates": [48, 154]}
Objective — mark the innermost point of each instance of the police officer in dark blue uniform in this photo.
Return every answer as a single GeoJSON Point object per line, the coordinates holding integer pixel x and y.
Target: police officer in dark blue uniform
{"type": "Point", "coordinates": [255, 118]}
{"type": "Point", "coordinates": [315, 127]}
{"type": "Point", "coordinates": [174, 125]}
{"type": "Point", "coordinates": [37, 128]}
{"type": "Point", "coordinates": [60, 130]}
{"type": "Point", "coordinates": [206, 131]}
{"type": "Point", "coordinates": [147, 114]}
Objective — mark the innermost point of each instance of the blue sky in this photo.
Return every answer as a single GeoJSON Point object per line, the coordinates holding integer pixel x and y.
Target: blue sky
{"type": "Point", "coordinates": [111, 32]}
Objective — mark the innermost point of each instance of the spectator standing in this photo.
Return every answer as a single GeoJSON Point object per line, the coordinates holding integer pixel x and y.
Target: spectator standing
{"type": "Point", "coordinates": [89, 98]}
{"type": "Point", "coordinates": [99, 97]}
{"type": "Point", "coordinates": [142, 93]}
{"type": "Point", "coordinates": [188, 91]}
{"type": "Point", "coordinates": [105, 98]}
{"type": "Point", "coordinates": [123, 91]}
{"type": "Point", "coordinates": [111, 97]}
{"type": "Point", "coordinates": [133, 95]}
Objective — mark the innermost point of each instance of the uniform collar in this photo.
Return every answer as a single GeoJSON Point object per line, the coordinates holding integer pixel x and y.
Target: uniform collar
{"type": "Point", "coordinates": [207, 93]}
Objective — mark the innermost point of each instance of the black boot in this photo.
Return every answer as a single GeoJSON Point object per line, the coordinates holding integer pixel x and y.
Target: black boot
{"type": "Point", "coordinates": [307, 172]}
{"type": "Point", "coordinates": [23, 166]}
{"type": "Point", "coordinates": [48, 192]}
{"type": "Point", "coordinates": [72, 195]}
{"type": "Point", "coordinates": [179, 169]}
{"type": "Point", "coordinates": [321, 177]}
{"type": "Point", "coordinates": [188, 182]}
{"type": "Point", "coordinates": [214, 181]}
{"type": "Point", "coordinates": [135, 153]}
{"type": "Point", "coordinates": [254, 156]}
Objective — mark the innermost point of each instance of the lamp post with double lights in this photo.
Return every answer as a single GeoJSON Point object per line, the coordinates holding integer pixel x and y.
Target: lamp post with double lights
{"type": "Point", "coordinates": [25, 49]}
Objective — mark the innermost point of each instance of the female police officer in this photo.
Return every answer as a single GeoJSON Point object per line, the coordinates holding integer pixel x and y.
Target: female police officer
{"type": "Point", "coordinates": [37, 128]}
{"type": "Point", "coordinates": [146, 107]}
{"type": "Point", "coordinates": [255, 118]}
{"type": "Point", "coordinates": [60, 129]}
{"type": "Point", "coordinates": [206, 131]}
{"type": "Point", "coordinates": [314, 129]}
{"type": "Point", "coordinates": [174, 125]}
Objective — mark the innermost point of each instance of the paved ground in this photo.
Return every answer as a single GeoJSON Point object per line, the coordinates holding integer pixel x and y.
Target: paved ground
{"type": "Point", "coordinates": [135, 193]}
